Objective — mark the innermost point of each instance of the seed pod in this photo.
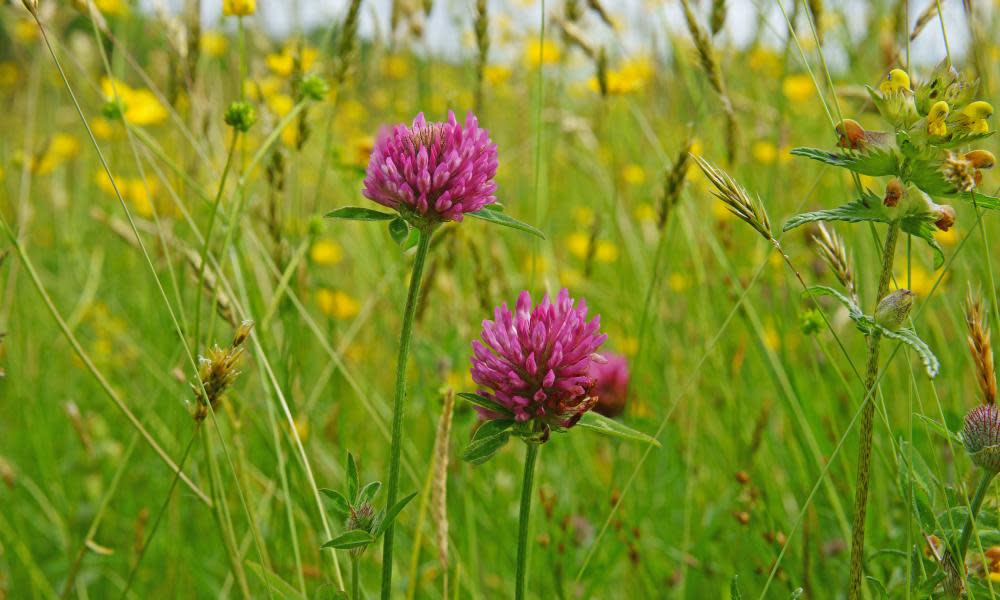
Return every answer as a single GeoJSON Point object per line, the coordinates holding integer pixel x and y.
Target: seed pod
{"type": "Point", "coordinates": [892, 311]}
{"type": "Point", "coordinates": [981, 436]}
{"type": "Point", "coordinates": [893, 192]}
{"type": "Point", "coordinates": [945, 217]}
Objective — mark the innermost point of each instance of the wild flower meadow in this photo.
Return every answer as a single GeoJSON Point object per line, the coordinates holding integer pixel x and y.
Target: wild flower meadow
{"type": "Point", "coordinates": [601, 300]}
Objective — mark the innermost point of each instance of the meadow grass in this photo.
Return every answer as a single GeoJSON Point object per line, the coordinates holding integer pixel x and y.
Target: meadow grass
{"type": "Point", "coordinates": [140, 230]}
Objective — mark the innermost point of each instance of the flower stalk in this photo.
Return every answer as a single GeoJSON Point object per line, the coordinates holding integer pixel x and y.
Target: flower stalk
{"type": "Point", "coordinates": [867, 424]}
{"type": "Point", "coordinates": [423, 247]}
{"type": "Point", "coordinates": [530, 458]}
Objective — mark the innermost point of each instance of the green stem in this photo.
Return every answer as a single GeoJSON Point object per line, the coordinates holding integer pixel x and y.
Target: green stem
{"type": "Point", "coordinates": [530, 456]}
{"type": "Point", "coordinates": [398, 402]}
{"type": "Point", "coordinates": [355, 580]}
{"type": "Point", "coordinates": [970, 523]}
{"type": "Point", "coordinates": [208, 237]}
{"type": "Point", "coordinates": [867, 424]}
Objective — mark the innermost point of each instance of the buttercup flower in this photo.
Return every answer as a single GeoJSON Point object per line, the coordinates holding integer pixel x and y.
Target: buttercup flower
{"type": "Point", "coordinates": [537, 362]}
{"type": "Point", "coordinates": [611, 384]}
{"type": "Point", "coordinates": [433, 171]}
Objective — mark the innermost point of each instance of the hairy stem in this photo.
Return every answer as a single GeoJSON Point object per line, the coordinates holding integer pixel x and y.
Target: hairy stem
{"type": "Point", "coordinates": [530, 455]}
{"type": "Point", "coordinates": [399, 401]}
{"type": "Point", "coordinates": [970, 522]}
{"type": "Point", "coordinates": [867, 422]}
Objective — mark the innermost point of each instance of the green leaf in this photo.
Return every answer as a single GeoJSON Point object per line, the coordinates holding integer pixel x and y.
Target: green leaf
{"type": "Point", "coordinates": [499, 218]}
{"type": "Point", "coordinates": [495, 206]}
{"type": "Point", "coordinates": [391, 514]}
{"type": "Point", "coordinates": [924, 228]}
{"type": "Point", "coordinates": [876, 162]}
{"type": "Point", "coordinates": [960, 139]}
{"type": "Point", "coordinates": [939, 428]}
{"type": "Point", "coordinates": [883, 594]}
{"type": "Point", "coordinates": [601, 424]}
{"type": "Point", "coordinates": [981, 200]}
{"type": "Point", "coordinates": [357, 213]}
{"type": "Point", "coordinates": [910, 338]}
{"type": "Point", "coordinates": [866, 209]}
{"type": "Point", "coordinates": [822, 290]}
{"type": "Point", "coordinates": [352, 478]}
{"type": "Point", "coordinates": [355, 538]}
{"type": "Point", "coordinates": [369, 492]}
{"type": "Point", "coordinates": [280, 588]}
{"type": "Point", "coordinates": [481, 450]}
{"type": "Point", "coordinates": [340, 503]}
{"type": "Point", "coordinates": [492, 428]}
{"type": "Point", "coordinates": [484, 402]}
{"type": "Point", "coordinates": [398, 229]}
{"type": "Point", "coordinates": [734, 589]}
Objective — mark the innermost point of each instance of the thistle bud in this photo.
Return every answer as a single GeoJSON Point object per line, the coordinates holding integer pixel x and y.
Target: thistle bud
{"type": "Point", "coordinates": [313, 87]}
{"type": "Point", "coordinates": [893, 192]}
{"type": "Point", "coordinates": [945, 217]}
{"type": "Point", "coordinates": [981, 436]}
{"type": "Point", "coordinates": [892, 311]}
{"type": "Point", "coordinates": [241, 116]}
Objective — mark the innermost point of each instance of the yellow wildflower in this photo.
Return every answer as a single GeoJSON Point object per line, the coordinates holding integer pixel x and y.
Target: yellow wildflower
{"type": "Point", "coordinates": [496, 75]}
{"type": "Point", "coordinates": [896, 80]}
{"type": "Point", "coordinates": [337, 304]}
{"type": "Point", "coordinates": [798, 88]}
{"type": "Point", "coordinates": [102, 128]}
{"type": "Point", "coordinates": [112, 7]}
{"type": "Point", "coordinates": [326, 252]}
{"type": "Point", "coordinates": [280, 104]}
{"type": "Point", "coordinates": [397, 67]}
{"type": "Point", "coordinates": [678, 282]}
{"type": "Point", "coordinates": [61, 148]}
{"type": "Point", "coordinates": [936, 118]}
{"type": "Point", "coordinates": [238, 8]}
{"type": "Point", "coordinates": [213, 44]}
{"type": "Point", "coordinates": [25, 31]}
{"type": "Point", "coordinates": [921, 281]}
{"type": "Point", "coordinates": [141, 105]}
{"type": "Point", "coordinates": [545, 54]}
{"type": "Point", "coordinates": [765, 61]}
{"type": "Point", "coordinates": [764, 152]}
{"type": "Point", "coordinates": [633, 174]}
{"type": "Point", "coordinates": [9, 74]}
{"type": "Point", "coordinates": [645, 213]}
{"type": "Point", "coordinates": [283, 64]}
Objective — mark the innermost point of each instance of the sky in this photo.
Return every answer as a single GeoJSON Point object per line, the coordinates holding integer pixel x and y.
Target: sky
{"type": "Point", "coordinates": [447, 31]}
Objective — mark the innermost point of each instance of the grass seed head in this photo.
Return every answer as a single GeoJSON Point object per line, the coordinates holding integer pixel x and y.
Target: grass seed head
{"type": "Point", "coordinates": [980, 346]}
{"type": "Point", "coordinates": [737, 199]}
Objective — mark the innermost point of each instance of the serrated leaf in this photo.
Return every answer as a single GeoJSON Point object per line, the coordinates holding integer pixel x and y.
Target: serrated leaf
{"type": "Point", "coordinates": [499, 218]}
{"type": "Point", "coordinates": [960, 139]}
{"type": "Point", "coordinates": [822, 290]}
{"type": "Point", "coordinates": [398, 230]}
{"type": "Point", "coordinates": [876, 162]}
{"type": "Point", "coordinates": [369, 492]}
{"type": "Point", "coordinates": [601, 424]}
{"type": "Point", "coordinates": [391, 513]}
{"type": "Point", "coordinates": [868, 209]}
{"type": "Point", "coordinates": [355, 538]}
{"type": "Point", "coordinates": [339, 502]}
{"type": "Point", "coordinates": [486, 403]}
{"type": "Point", "coordinates": [481, 450]}
{"type": "Point", "coordinates": [924, 228]}
{"type": "Point", "coordinates": [358, 213]}
{"type": "Point", "coordinates": [910, 338]}
{"type": "Point", "coordinates": [279, 588]}
{"type": "Point", "coordinates": [980, 200]}
{"type": "Point", "coordinates": [352, 478]}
